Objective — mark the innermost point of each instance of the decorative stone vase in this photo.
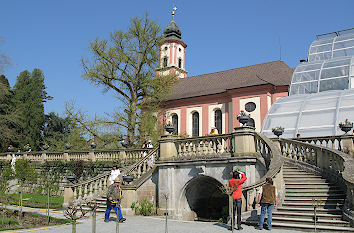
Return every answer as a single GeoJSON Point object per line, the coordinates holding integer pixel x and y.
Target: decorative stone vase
{"type": "Point", "coordinates": [170, 128]}
{"type": "Point", "coordinates": [45, 147]}
{"type": "Point", "coordinates": [10, 149]}
{"type": "Point", "coordinates": [71, 178]}
{"type": "Point", "coordinates": [26, 148]}
{"type": "Point", "coordinates": [128, 178]}
{"type": "Point", "coordinates": [243, 119]}
{"type": "Point", "coordinates": [93, 145]}
{"type": "Point", "coordinates": [68, 146]}
{"type": "Point", "coordinates": [346, 127]}
{"type": "Point", "coordinates": [278, 131]}
{"type": "Point", "coordinates": [125, 143]}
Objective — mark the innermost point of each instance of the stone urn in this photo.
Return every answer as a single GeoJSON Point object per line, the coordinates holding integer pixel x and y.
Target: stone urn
{"type": "Point", "coordinates": [243, 119]}
{"type": "Point", "coordinates": [128, 178]}
{"type": "Point", "coordinates": [125, 143]}
{"type": "Point", "coordinates": [45, 147]}
{"type": "Point", "coordinates": [278, 131]}
{"type": "Point", "coordinates": [10, 148]}
{"type": "Point", "coordinates": [170, 128]}
{"type": "Point", "coordinates": [68, 146]}
{"type": "Point", "coordinates": [346, 126]}
{"type": "Point", "coordinates": [93, 145]}
{"type": "Point", "coordinates": [71, 178]}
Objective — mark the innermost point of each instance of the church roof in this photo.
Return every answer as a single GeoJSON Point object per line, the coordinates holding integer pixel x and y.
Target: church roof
{"type": "Point", "coordinates": [276, 73]}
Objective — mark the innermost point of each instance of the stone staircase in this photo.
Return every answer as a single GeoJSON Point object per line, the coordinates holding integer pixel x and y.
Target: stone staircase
{"type": "Point", "coordinates": [297, 209]}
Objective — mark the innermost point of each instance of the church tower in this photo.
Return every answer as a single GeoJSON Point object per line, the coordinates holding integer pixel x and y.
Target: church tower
{"type": "Point", "coordinates": [172, 51]}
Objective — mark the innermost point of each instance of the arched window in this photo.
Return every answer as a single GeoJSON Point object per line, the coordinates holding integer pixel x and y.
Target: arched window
{"type": "Point", "coordinates": [175, 123]}
{"type": "Point", "coordinates": [165, 59]}
{"type": "Point", "coordinates": [195, 124]}
{"type": "Point", "coordinates": [218, 120]}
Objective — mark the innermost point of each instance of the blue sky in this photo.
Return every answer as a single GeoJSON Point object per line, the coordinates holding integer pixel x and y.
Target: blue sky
{"type": "Point", "coordinates": [53, 36]}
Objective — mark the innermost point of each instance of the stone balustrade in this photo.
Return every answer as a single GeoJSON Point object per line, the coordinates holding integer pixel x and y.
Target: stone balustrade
{"type": "Point", "coordinates": [334, 165]}
{"type": "Point", "coordinates": [344, 143]}
{"type": "Point", "coordinates": [126, 156]}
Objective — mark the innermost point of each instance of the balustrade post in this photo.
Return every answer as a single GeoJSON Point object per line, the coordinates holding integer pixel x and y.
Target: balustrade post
{"type": "Point", "coordinates": [92, 156]}
{"type": "Point", "coordinates": [66, 156]}
{"type": "Point", "coordinates": [348, 144]}
{"type": "Point", "coordinates": [9, 157]}
{"type": "Point", "coordinates": [167, 147]}
{"type": "Point", "coordinates": [244, 141]}
{"type": "Point", "coordinates": [43, 157]}
{"type": "Point", "coordinates": [68, 196]}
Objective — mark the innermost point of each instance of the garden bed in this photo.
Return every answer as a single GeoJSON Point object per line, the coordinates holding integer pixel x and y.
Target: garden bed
{"type": "Point", "coordinates": [33, 200]}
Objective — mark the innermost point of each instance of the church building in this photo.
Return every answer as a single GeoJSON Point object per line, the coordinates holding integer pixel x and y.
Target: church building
{"type": "Point", "coordinates": [201, 102]}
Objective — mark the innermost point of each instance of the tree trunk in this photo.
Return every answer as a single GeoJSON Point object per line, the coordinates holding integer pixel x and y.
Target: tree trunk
{"type": "Point", "coordinates": [132, 122]}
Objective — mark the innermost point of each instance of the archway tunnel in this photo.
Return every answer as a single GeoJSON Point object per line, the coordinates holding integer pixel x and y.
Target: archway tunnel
{"type": "Point", "coordinates": [205, 197]}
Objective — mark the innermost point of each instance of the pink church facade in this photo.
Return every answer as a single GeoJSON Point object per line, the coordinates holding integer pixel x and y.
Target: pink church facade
{"type": "Point", "coordinates": [199, 103]}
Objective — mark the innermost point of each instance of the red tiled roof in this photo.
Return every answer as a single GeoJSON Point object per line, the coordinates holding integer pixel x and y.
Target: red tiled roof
{"type": "Point", "coordinates": [276, 73]}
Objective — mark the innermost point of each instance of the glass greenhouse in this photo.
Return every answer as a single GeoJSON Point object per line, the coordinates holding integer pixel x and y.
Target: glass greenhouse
{"type": "Point", "coordinates": [321, 92]}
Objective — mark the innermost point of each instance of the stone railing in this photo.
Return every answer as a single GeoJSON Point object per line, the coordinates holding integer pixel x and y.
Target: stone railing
{"type": "Point", "coordinates": [97, 186]}
{"type": "Point", "coordinates": [334, 165]}
{"type": "Point", "coordinates": [342, 143]}
{"type": "Point", "coordinates": [126, 156]}
{"type": "Point", "coordinates": [209, 146]}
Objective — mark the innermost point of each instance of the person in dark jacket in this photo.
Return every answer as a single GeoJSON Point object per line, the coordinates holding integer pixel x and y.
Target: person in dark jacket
{"type": "Point", "coordinates": [114, 196]}
{"type": "Point", "coordinates": [235, 184]}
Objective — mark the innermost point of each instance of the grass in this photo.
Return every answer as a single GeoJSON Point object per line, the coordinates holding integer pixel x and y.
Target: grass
{"type": "Point", "coordinates": [33, 200]}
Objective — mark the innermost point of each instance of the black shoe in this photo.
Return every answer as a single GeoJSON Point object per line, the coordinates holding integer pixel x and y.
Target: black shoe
{"type": "Point", "coordinates": [239, 228]}
{"type": "Point", "coordinates": [106, 220]}
{"type": "Point", "coordinates": [258, 228]}
{"type": "Point", "coordinates": [122, 219]}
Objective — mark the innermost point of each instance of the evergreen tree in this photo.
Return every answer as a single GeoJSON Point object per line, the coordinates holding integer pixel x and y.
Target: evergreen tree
{"type": "Point", "coordinates": [9, 117]}
{"type": "Point", "coordinates": [29, 96]}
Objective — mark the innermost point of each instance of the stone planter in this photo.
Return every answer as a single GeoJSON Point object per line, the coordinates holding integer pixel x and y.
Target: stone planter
{"type": "Point", "coordinates": [10, 149]}
{"type": "Point", "coordinates": [243, 119]}
{"type": "Point", "coordinates": [45, 147]}
{"type": "Point", "coordinates": [71, 178]}
{"type": "Point", "coordinates": [93, 145]}
{"type": "Point", "coordinates": [125, 143]}
{"type": "Point", "coordinates": [278, 132]}
{"type": "Point", "coordinates": [169, 128]}
{"type": "Point", "coordinates": [346, 127]}
{"type": "Point", "coordinates": [68, 147]}
{"type": "Point", "coordinates": [128, 178]}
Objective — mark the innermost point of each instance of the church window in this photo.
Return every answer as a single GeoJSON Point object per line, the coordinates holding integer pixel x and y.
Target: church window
{"type": "Point", "coordinates": [218, 120]}
{"type": "Point", "coordinates": [165, 61]}
{"type": "Point", "coordinates": [166, 48]}
{"type": "Point", "coordinates": [179, 63]}
{"type": "Point", "coordinates": [180, 49]}
{"type": "Point", "coordinates": [195, 124]}
{"type": "Point", "coordinates": [175, 123]}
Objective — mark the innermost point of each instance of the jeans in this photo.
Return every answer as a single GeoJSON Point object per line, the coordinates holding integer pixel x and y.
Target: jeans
{"type": "Point", "coordinates": [266, 207]}
{"type": "Point", "coordinates": [237, 204]}
{"type": "Point", "coordinates": [108, 211]}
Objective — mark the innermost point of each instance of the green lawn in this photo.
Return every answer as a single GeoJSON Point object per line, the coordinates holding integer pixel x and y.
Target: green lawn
{"type": "Point", "coordinates": [34, 200]}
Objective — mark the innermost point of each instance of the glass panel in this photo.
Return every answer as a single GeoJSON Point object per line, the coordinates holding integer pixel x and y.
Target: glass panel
{"type": "Point", "coordinates": [195, 124]}
{"type": "Point", "coordinates": [335, 72]}
{"type": "Point", "coordinates": [175, 124]}
{"type": "Point", "coordinates": [218, 121]}
{"type": "Point", "coordinates": [320, 57]}
{"type": "Point", "coordinates": [286, 107]}
{"type": "Point", "coordinates": [345, 36]}
{"type": "Point", "coordinates": [281, 120]}
{"type": "Point", "coordinates": [317, 118]}
{"type": "Point", "coordinates": [334, 84]}
{"type": "Point", "coordinates": [352, 70]}
{"type": "Point", "coordinates": [308, 67]}
{"type": "Point", "coordinates": [320, 104]}
{"type": "Point", "coordinates": [344, 44]}
{"type": "Point", "coordinates": [306, 76]}
{"type": "Point", "coordinates": [323, 41]}
{"type": "Point", "coordinates": [336, 62]}
{"type": "Point", "coordinates": [316, 132]}
{"type": "Point", "coordinates": [304, 88]}
{"type": "Point", "coordinates": [343, 52]}
{"type": "Point", "coordinates": [322, 48]}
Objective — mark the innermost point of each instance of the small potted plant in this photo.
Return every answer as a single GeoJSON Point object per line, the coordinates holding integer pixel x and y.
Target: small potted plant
{"type": "Point", "coordinates": [243, 118]}
{"type": "Point", "coordinates": [169, 128]}
{"type": "Point", "coordinates": [346, 126]}
{"type": "Point", "coordinates": [45, 147]}
{"type": "Point", "coordinates": [11, 148]}
{"type": "Point", "coordinates": [278, 131]}
{"type": "Point", "coordinates": [27, 148]}
{"type": "Point", "coordinates": [125, 143]}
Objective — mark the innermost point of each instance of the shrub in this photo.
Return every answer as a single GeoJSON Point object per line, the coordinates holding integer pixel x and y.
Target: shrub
{"type": "Point", "coordinates": [143, 207]}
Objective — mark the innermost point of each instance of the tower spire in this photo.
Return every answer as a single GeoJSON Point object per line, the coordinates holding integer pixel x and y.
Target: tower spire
{"type": "Point", "coordinates": [173, 12]}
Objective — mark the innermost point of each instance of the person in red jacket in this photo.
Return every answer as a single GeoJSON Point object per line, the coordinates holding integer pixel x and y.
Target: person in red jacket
{"type": "Point", "coordinates": [235, 184]}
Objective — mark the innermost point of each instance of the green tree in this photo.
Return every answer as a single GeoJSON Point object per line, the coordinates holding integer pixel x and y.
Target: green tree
{"type": "Point", "coordinates": [9, 116]}
{"type": "Point", "coordinates": [29, 96]}
{"type": "Point", "coordinates": [125, 64]}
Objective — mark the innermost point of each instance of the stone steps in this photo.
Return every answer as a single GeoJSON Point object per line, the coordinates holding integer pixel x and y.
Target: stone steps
{"type": "Point", "coordinates": [307, 215]}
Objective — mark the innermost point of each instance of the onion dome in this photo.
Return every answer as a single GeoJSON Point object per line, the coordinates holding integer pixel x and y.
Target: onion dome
{"type": "Point", "coordinates": [172, 31]}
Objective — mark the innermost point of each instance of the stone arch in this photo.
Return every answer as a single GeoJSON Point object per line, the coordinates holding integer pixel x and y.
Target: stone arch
{"type": "Point", "coordinates": [202, 198]}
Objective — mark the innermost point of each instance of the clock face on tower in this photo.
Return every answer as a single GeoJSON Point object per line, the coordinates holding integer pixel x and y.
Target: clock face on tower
{"type": "Point", "coordinates": [250, 107]}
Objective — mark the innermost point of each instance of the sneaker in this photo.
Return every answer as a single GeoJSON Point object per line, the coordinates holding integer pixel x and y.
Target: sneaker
{"type": "Point", "coordinates": [122, 219]}
{"type": "Point", "coordinates": [258, 228]}
{"type": "Point", "coordinates": [106, 220]}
